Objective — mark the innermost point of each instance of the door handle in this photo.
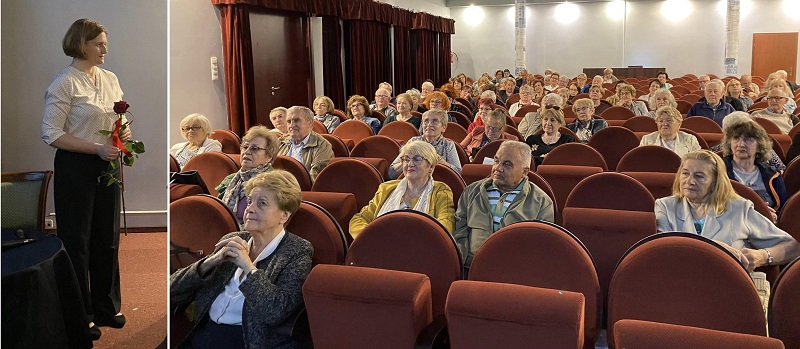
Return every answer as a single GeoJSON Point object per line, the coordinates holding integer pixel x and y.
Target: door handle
{"type": "Point", "coordinates": [276, 88]}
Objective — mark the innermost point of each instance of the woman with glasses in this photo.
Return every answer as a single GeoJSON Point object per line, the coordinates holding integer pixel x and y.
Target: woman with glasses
{"type": "Point", "coordinates": [417, 190]}
{"type": "Point", "coordinates": [552, 118]}
{"type": "Point", "coordinates": [585, 125]}
{"type": "Point", "coordinates": [626, 98]}
{"type": "Point", "coordinates": [668, 120]}
{"type": "Point", "coordinates": [485, 106]}
{"type": "Point", "coordinates": [493, 129]}
{"type": "Point", "coordinates": [526, 97]}
{"type": "Point", "coordinates": [259, 148]}
{"type": "Point", "coordinates": [438, 100]}
{"type": "Point", "coordinates": [195, 129]}
{"type": "Point", "coordinates": [661, 98]}
{"type": "Point", "coordinates": [532, 122]}
{"type": "Point", "coordinates": [734, 90]}
{"type": "Point", "coordinates": [434, 122]}
{"type": "Point", "coordinates": [358, 109]}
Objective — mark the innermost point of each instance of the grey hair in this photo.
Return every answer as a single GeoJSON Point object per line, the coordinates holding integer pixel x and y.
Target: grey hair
{"type": "Point", "coordinates": [553, 97]}
{"type": "Point", "coordinates": [307, 113]}
{"type": "Point", "coordinates": [522, 149]}
{"type": "Point", "coordinates": [735, 118]}
{"type": "Point", "coordinates": [489, 94]}
{"type": "Point", "coordinates": [717, 82]}
{"type": "Point", "coordinates": [428, 83]}
{"type": "Point", "coordinates": [656, 93]}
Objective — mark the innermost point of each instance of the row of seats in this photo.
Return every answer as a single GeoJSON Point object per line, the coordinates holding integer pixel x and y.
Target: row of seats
{"type": "Point", "coordinates": [364, 307]}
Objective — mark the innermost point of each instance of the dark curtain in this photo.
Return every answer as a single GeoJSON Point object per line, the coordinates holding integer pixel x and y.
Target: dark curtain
{"type": "Point", "coordinates": [332, 60]}
{"type": "Point", "coordinates": [366, 56]}
{"type": "Point", "coordinates": [443, 61]}
{"type": "Point", "coordinates": [238, 64]}
{"type": "Point", "coordinates": [402, 60]}
{"type": "Point", "coordinates": [423, 44]}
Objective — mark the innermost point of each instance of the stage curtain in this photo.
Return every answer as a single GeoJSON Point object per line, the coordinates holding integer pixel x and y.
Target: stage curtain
{"type": "Point", "coordinates": [332, 60]}
{"type": "Point", "coordinates": [443, 59]}
{"type": "Point", "coordinates": [366, 56]}
{"type": "Point", "coordinates": [402, 60]}
{"type": "Point", "coordinates": [238, 67]}
{"type": "Point", "coordinates": [423, 43]}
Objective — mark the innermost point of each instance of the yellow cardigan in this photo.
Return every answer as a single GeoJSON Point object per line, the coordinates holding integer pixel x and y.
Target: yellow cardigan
{"type": "Point", "coordinates": [440, 206]}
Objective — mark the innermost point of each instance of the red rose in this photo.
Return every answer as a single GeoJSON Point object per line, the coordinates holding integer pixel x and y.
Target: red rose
{"type": "Point", "coordinates": [121, 107]}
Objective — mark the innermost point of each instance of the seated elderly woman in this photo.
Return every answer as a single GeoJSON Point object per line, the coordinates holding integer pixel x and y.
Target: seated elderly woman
{"type": "Point", "coordinates": [323, 112]}
{"type": "Point", "coordinates": [493, 129]}
{"type": "Point", "coordinates": [358, 109]}
{"type": "Point", "coordinates": [746, 147]}
{"type": "Point", "coordinates": [196, 130]}
{"type": "Point", "coordinates": [417, 190]}
{"type": "Point", "coordinates": [508, 87]}
{"type": "Point", "coordinates": [550, 138]}
{"type": "Point", "coordinates": [596, 95]}
{"type": "Point", "coordinates": [538, 91]}
{"type": "Point", "coordinates": [661, 98]}
{"type": "Point", "coordinates": [574, 90]}
{"type": "Point", "coordinates": [438, 100]}
{"type": "Point", "coordinates": [652, 88]}
{"type": "Point", "coordinates": [626, 98]}
{"type": "Point", "coordinates": [532, 122]}
{"type": "Point", "coordinates": [585, 125]}
{"type": "Point", "coordinates": [485, 106]}
{"type": "Point", "coordinates": [736, 117]}
{"type": "Point", "coordinates": [564, 93]}
{"type": "Point", "coordinates": [669, 134]}
{"type": "Point", "coordinates": [704, 202]}
{"type": "Point", "coordinates": [405, 104]}
{"type": "Point", "coordinates": [253, 280]}
{"type": "Point", "coordinates": [734, 90]}
{"type": "Point", "coordinates": [259, 148]}
{"type": "Point", "coordinates": [608, 76]}
{"type": "Point", "coordinates": [434, 122]}
{"type": "Point", "coordinates": [277, 117]}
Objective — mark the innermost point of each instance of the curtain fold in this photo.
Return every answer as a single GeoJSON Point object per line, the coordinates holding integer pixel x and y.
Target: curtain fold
{"type": "Point", "coordinates": [238, 67]}
{"type": "Point", "coordinates": [332, 60]}
{"type": "Point", "coordinates": [443, 59]}
{"type": "Point", "coordinates": [366, 56]}
{"type": "Point", "coordinates": [402, 60]}
{"type": "Point", "coordinates": [423, 44]}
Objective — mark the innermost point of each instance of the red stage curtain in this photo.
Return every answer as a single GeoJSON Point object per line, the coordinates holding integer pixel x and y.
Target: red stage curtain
{"type": "Point", "coordinates": [443, 61]}
{"type": "Point", "coordinates": [423, 43]}
{"type": "Point", "coordinates": [238, 65]}
{"type": "Point", "coordinates": [332, 60]}
{"type": "Point", "coordinates": [366, 56]}
{"type": "Point", "coordinates": [402, 60]}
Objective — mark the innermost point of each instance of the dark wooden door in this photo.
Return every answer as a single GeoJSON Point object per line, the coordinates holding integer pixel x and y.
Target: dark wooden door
{"type": "Point", "coordinates": [281, 62]}
{"type": "Point", "coordinates": [774, 51]}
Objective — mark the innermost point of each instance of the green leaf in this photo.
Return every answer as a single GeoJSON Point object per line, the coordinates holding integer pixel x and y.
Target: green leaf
{"type": "Point", "coordinates": [137, 147]}
{"type": "Point", "coordinates": [105, 132]}
{"type": "Point", "coordinates": [113, 164]}
{"type": "Point", "coordinates": [129, 146]}
{"type": "Point", "coordinates": [111, 181]}
{"type": "Point", "coordinates": [127, 160]}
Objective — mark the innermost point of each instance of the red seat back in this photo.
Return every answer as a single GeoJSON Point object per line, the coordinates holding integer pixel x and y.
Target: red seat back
{"type": "Point", "coordinates": [337, 145]}
{"type": "Point", "coordinates": [455, 132]}
{"type": "Point", "coordinates": [296, 168]}
{"type": "Point", "coordinates": [198, 222]}
{"type": "Point", "coordinates": [342, 206]}
{"type": "Point", "coordinates": [320, 228]}
{"type": "Point", "coordinates": [411, 241]}
{"type": "Point", "coordinates": [349, 176]}
{"type": "Point", "coordinates": [758, 203]}
{"type": "Point", "coordinates": [461, 118]}
{"type": "Point", "coordinates": [646, 334]}
{"type": "Point", "coordinates": [784, 305]}
{"type": "Point", "coordinates": [613, 142]}
{"type": "Point", "coordinates": [399, 131]}
{"type": "Point", "coordinates": [641, 123]}
{"type": "Point", "coordinates": [354, 130]}
{"type": "Point", "coordinates": [488, 151]}
{"type": "Point", "coordinates": [213, 168]}
{"type": "Point", "coordinates": [231, 142]}
{"type": "Point", "coordinates": [649, 158]}
{"type": "Point", "coordinates": [575, 154]}
{"type": "Point", "coordinates": [684, 279]}
{"type": "Point", "coordinates": [561, 260]}
{"type": "Point", "coordinates": [377, 147]}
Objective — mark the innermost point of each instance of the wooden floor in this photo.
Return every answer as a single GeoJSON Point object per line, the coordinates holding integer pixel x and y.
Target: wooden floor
{"type": "Point", "coordinates": [143, 273]}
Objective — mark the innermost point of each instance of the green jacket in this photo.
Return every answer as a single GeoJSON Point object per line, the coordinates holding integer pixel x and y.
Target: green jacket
{"type": "Point", "coordinates": [474, 214]}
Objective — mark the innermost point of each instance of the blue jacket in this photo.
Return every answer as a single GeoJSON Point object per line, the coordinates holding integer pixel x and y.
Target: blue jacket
{"type": "Point", "coordinates": [717, 113]}
{"type": "Point", "coordinates": [773, 181]}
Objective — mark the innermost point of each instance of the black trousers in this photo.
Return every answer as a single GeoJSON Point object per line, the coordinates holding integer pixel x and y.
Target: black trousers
{"type": "Point", "coordinates": [88, 225]}
{"type": "Point", "coordinates": [213, 335]}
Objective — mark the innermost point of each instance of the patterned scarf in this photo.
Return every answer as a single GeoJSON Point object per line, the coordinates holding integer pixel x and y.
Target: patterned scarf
{"type": "Point", "coordinates": [235, 190]}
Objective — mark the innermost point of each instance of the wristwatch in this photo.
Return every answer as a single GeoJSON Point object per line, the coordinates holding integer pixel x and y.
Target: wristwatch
{"type": "Point", "coordinates": [769, 257]}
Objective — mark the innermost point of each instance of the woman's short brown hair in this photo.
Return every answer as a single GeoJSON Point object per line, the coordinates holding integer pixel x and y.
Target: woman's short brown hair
{"type": "Point", "coordinates": [748, 129]}
{"type": "Point", "coordinates": [357, 99]}
{"type": "Point", "coordinates": [552, 112]}
{"type": "Point", "coordinates": [283, 185]}
{"type": "Point", "coordinates": [272, 145]}
{"type": "Point", "coordinates": [79, 33]}
{"type": "Point", "coordinates": [328, 103]}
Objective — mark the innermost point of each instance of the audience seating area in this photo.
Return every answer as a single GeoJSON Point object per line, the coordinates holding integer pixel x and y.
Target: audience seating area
{"type": "Point", "coordinates": [600, 272]}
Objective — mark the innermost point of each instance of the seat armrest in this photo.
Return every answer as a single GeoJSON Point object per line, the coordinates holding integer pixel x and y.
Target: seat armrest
{"type": "Point", "coordinates": [434, 336]}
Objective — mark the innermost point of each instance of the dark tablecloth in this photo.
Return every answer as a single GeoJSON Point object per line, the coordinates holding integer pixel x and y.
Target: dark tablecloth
{"type": "Point", "coordinates": [41, 304]}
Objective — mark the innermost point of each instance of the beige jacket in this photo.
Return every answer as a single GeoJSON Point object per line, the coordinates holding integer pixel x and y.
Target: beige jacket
{"type": "Point", "coordinates": [685, 143]}
{"type": "Point", "coordinates": [316, 153]}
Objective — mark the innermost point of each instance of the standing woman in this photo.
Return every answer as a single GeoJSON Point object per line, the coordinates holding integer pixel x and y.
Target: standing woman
{"type": "Point", "coordinates": [78, 104]}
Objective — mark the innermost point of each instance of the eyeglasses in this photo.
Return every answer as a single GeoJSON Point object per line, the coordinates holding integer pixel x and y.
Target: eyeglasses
{"type": "Point", "coordinates": [416, 159]}
{"type": "Point", "coordinates": [381, 96]}
{"type": "Point", "coordinates": [431, 122]}
{"type": "Point", "coordinates": [665, 121]}
{"type": "Point", "coordinates": [547, 106]}
{"type": "Point", "coordinates": [493, 129]}
{"type": "Point", "coordinates": [581, 110]}
{"type": "Point", "coordinates": [436, 101]}
{"type": "Point", "coordinates": [485, 109]}
{"type": "Point", "coordinates": [775, 98]}
{"type": "Point", "coordinates": [251, 147]}
{"type": "Point", "coordinates": [191, 128]}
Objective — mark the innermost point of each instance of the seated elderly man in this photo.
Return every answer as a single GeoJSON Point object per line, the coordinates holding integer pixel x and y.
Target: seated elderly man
{"type": "Point", "coordinates": [504, 198]}
{"type": "Point", "coordinates": [552, 83]}
{"type": "Point", "coordinates": [381, 104]}
{"type": "Point", "coordinates": [303, 144]}
{"type": "Point", "coordinates": [702, 80]}
{"type": "Point", "coordinates": [388, 87]}
{"type": "Point", "coordinates": [775, 111]}
{"type": "Point", "coordinates": [749, 87]}
{"type": "Point", "coordinates": [608, 76]}
{"type": "Point", "coordinates": [712, 107]}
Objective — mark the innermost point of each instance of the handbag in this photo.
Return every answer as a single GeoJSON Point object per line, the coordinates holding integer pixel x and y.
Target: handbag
{"type": "Point", "coordinates": [188, 177]}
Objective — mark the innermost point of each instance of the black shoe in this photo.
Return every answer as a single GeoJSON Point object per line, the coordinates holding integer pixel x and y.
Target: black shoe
{"type": "Point", "coordinates": [115, 321]}
{"type": "Point", "coordinates": [94, 332]}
